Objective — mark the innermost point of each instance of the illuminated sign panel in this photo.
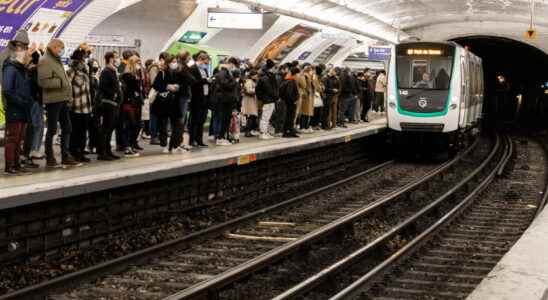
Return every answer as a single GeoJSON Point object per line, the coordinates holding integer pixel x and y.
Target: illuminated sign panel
{"type": "Point", "coordinates": [234, 20]}
{"type": "Point", "coordinates": [424, 52]}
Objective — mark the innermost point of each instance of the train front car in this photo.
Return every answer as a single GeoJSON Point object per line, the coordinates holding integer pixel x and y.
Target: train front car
{"type": "Point", "coordinates": [424, 95]}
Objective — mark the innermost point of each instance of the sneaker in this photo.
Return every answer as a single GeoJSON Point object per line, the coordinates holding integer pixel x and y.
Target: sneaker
{"type": "Point", "coordinates": [265, 136]}
{"type": "Point", "coordinates": [279, 134]}
{"type": "Point", "coordinates": [145, 136]}
{"type": "Point", "coordinates": [187, 147]}
{"type": "Point", "coordinates": [180, 150]}
{"type": "Point", "coordinates": [37, 155]}
{"type": "Point", "coordinates": [69, 161]}
{"type": "Point", "coordinates": [166, 150]}
{"type": "Point", "coordinates": [310, 130]}
{"type": "Point", "coordinates": [222, 142]}
{"type": "Point", "coordinates": [211, 138]}
{"type": "Point", "coordinates": [129, 153]}
{"type": "Point", "coordinates": [255, 133]}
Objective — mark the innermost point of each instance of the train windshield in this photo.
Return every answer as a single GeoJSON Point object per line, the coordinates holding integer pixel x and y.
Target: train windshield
{"type": "Point", "coordinates": [424, 67]}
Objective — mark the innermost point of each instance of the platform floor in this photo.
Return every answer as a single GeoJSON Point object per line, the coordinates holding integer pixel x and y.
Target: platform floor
{"type": "Point", "coordinates": [522, 273]}
{"type": "Point", "coordinates": [46, 184]}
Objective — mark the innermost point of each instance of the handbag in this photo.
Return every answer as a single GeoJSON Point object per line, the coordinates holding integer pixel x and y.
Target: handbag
{"type": "Point", "coordinates": [318, 102]}
{"type": "Point", "coordinates": [152, 95]}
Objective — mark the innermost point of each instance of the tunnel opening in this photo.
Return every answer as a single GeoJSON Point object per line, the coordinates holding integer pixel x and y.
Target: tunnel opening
{"type": "Point", "coordinates": [516, 81]}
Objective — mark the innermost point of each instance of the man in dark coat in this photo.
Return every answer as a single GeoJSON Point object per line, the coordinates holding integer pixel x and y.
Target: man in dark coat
{"type": "Point", "coordinates": [267, 93]}
{"type": "Point", "coordinates": [198, 105]}
{"type": "Point", "coordinates": [289, 94]}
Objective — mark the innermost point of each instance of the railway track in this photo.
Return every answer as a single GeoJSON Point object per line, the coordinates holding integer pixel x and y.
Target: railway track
{"type": "Point", "coordinates": [228, 248]}
{"type": "Point", "coordinates": [447, 255]}
{"type": "Point", "coordinates": [232, 251]}
{"type": "Point", "coordinates": [455, 262]}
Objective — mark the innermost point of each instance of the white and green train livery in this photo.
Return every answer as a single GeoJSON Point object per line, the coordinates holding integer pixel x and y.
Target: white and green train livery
{"type": "Point", "coordinates": [434, 88]}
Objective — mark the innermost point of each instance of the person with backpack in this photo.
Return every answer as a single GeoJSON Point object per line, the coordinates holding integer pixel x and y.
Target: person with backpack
{"type": "Point", "coordinates": [289, 93]}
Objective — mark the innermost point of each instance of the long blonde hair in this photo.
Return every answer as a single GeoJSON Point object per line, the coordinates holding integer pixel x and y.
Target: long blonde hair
{"type": "Point", "coordinates": [132, 64]}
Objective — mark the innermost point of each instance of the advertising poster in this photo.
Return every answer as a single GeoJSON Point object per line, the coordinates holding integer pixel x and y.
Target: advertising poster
{"type": "Point", "coordinates": [327, 54]}
{"type": "Point", "coordinates": [280, 47]}
{"type": "Point", "coordinates": [43, 19]}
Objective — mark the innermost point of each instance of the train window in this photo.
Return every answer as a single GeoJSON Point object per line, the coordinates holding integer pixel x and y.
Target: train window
{"type": "Point", "coordinates": [425, 72]}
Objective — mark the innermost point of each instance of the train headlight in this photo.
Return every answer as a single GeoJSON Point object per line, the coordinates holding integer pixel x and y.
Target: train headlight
{"type": "Point", "coordinates": [392, 105]}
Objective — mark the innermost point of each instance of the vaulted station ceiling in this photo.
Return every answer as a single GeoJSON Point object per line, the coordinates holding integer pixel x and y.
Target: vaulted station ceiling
{"type": "Point", "coordinates": [426, 19]}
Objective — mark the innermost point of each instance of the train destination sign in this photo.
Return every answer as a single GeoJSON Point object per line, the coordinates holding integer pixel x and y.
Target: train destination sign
{"type": "Point", "coordinates": [424, 52]}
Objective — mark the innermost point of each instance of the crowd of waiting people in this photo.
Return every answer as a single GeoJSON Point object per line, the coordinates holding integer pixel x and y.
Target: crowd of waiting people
{"type": "Point", "coordinates": [158, 100]}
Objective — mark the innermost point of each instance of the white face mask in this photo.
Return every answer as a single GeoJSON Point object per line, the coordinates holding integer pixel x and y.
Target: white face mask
{"type": "Point", "coordinates": [174, 66]}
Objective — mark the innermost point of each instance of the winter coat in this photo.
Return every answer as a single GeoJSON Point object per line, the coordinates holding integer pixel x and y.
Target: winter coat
{"type": "Point", "coordinates": [306, 90]}
{"type": "Point", "coordinates": [199, 88]}
{"type": "Point", "coordinates": [267, 88]}
{"type": "Point", "coordinates": [226, 87]}
{"type": "Point", "coordinates": [347, 85]}
{"type": "Point", "coordinates": [249, 100]}
{"type": "Point", "coordinates": [133, 89]}
{"type": "Point", "coordinates": [109, 87]}
{"type": "Point", "coordinates": [289, 91]}
{"type": "Point", "coordinates": [53, 79]}
{"type": "Point", "coordinates": [332, 86]}
{"type": "Point", "coordinates": [81, 89]}
{"type": "Point", "coordinates": [17, 91]}
{"type": "Point", "coordinates": [380, 85]}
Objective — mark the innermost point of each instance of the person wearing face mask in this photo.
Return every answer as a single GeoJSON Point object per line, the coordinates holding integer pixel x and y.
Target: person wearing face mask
{"type": "Point", "coordinates": [17, 92]}
{"type": "Point", "coordinates": [57, 96]}
{"type": "Point", "coordinates": [93, 66]}
{"type": "Point", "coordinates": [81, 106]}
{"type": "Point", "coordinates": [167, 106]}
{"type": "Point", "coordinates": [226, 98]}
{"type": "Point", "coordinates": [200, 95]}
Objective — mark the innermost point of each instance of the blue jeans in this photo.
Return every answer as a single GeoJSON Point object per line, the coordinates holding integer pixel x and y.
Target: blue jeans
{"type": "Point", "coordinates": [184, 108]}
{"type": "Point", "coordinates": [37, 119]}
{"type": "Point", "coordinates": [350, 107]}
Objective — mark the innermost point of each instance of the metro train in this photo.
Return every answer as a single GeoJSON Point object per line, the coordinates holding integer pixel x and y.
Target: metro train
{"type": "Point", "coordinates": [435, 94]}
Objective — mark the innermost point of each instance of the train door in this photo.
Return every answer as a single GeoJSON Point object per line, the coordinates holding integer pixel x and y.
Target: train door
{"type": "Point", "coordinates": [463, 90]}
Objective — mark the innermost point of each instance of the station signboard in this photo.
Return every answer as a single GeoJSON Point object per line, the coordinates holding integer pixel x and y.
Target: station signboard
{"type": "Point", "coordinates": [42, 19]}
{"type": "Point", "coordinates": [379, 53]}
{"type": "Point", "coordinates": [234, 20]}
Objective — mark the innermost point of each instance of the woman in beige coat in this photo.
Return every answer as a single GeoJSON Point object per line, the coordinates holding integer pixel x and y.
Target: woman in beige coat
{"type": "Point", "coordinates": [306, 90]}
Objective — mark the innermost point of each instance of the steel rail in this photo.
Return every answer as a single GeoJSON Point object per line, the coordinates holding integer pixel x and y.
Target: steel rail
{"type": "Point", "coordinates": [364, 282]}
{"type": "Point", "coordinates": [39, 290]}
{"type": "Point", "coordinates": [209, 288]}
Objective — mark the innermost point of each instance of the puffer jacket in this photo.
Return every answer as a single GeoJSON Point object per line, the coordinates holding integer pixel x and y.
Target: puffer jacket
{"type": "Point", "coordinates": [53, 79]}
{"type": "Point", "coordinates": [16, 91]}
